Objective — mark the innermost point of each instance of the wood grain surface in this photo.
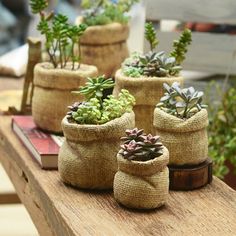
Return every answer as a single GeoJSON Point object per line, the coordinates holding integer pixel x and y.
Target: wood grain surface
{"type": "Point", "coordinates": [57, 209]}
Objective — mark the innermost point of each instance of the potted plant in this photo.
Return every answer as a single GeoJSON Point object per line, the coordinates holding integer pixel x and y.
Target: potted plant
{"type": "Point", "coordinates": [54, 80]}
{"type": "Point", "coordinates": [144, 75]}
{"type": "Point", "coordinates": [181, 121]}
{"type": "Point", "coordinates": [104, 41]}
{"type": "Point", "coordinates": [92, 130]}
{"type": "Point", "coordinates": [142, 179]}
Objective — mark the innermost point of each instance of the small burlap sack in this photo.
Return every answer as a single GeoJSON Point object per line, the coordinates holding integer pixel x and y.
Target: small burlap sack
{"type": "Point", "coordinates": [87, 158]}
{"type": "Point", "coordinates": [52, 93]}
{"type": "Point", "coordinates": [142, 185]}
{"type": "Point", "coordinates": [186, 140]}
{"type": "Point", "coordinates": [147, 92]}
{"type": "Point", "coordinates": [105, 47]}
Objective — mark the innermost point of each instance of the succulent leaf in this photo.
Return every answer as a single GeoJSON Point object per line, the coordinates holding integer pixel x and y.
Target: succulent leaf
{"type": "Point", "coordinates": [140, 147]}
{"type": "Point", "coordinates": [97, 110]}
{"type": "Point", "coordinates": [180, 46]}
{"type": "Point", "coordinates": [182, 103]}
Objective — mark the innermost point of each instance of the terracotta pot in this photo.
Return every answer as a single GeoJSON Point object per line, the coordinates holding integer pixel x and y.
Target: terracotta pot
{"type": "Point", "coordinates": [142, 184]}
{"type": "Point", "coordinates": [105, 46]}
{"type": "Point", "coordinates": [186, 140]}
{"type": "Point", "coordinates": [147, 92]}
{"type": "Point", "coordinates": [87, 158]}
{"type": "Point", "coordinates": [52, 93]}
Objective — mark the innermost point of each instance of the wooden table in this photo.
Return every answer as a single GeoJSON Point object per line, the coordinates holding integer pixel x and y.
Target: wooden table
{"type": "Point", "coordinates": [57, 209]}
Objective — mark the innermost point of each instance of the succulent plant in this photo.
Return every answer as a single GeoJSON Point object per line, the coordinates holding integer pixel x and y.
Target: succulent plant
{"type": "Point", "coordinates": [96, 110]}
{"type": "Point", "coordinates": [182, 103]}
{"type": "Point", "coordinates": [101, 12]}
{"type": "Point", "coordinates": [95, 86]}
{"type": "Point", "coordinates": [73, 108]}
{"type": "Point", "coordinates": [180, 46]}
{"type": "Point", "coordinates": [87, 113]}
{"type": "Point", "coordinates": [60, 36]}
{"type": "Point", "coordinates": [132, 134]}
{"type": "Point", "coordinates": [157, 64]}
{"type": "Point", "coordinates": [150, 35]}
{"type": "Point", "coordinates": [140, 147]}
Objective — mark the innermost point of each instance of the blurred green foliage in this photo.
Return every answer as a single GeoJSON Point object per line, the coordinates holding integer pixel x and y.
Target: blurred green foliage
{"type": "Point", "coordinates": [222, 128]}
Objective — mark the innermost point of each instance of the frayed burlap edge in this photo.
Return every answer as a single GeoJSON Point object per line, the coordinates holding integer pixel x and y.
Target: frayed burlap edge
{"type": "Point", "coordinates": [64, 79]}
{"type": "Point", "coordinates": [76, 132]}
{"type": "Point", "coordinates": [146, 90]}
{"type": "Point", "coordinates": [104, 34]}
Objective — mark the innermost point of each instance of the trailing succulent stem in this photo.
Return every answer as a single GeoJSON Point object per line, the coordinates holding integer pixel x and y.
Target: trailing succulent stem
{"type": "Point", "coordinates": [96, 110]}
{"type": "Point", "coordinates": [59, 34]}
{"type": "Point", "coordinates": [139, 146]}
{"type": "Point", "coordinates": [182, 103]}
{"type": "Point", "coordinates": [157, 64]}
{"type": "Point", "coordinates": [101, 12]}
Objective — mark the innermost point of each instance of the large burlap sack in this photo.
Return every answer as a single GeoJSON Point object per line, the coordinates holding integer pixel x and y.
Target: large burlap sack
{"type": "Point", "coordinates": [142, 185]}
{"type": "Point", "coordinates": [52, 93]}
{"type": "Point", "coordinates": [87, 158]}
{"type": "Point", "coordinates": [105, 47]}
{"type": "Point", "coordinates": [147, 92]}
{"type": "Point", "coordinates": [186, 140]}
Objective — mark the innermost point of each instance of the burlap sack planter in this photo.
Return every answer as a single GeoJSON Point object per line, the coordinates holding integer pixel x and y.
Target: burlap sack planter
{"type": "Point", "coordinates": [142, 185]}
{"type": "Point", "coordinates": [52, 93]}
{"type": "Point", "coordinates": [186, 140]}
{"type": "Point", "coordinates": [105, 47]}
{"type": "Point", "coordinates": [147, 92]}
{"type": "Point", "coordinates": [87, 158]}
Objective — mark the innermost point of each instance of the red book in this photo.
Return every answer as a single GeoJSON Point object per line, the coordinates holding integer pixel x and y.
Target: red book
{"type": "Point", "coordinates": [44, 147]}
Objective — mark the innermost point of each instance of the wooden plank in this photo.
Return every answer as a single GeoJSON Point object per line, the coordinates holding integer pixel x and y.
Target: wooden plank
{"type": "Point", "coordinates": [9, 198]}
{"type": "Point", "coordinates": [190, 177]}
{"type": "Point", "coordinates": [215, 11]}
{"type": "Point", "coordinates": [68, 211]}
{"type": "Point", "coordinates": [26, 193]}
{"type": "Point", "coordinates": [208, 52]}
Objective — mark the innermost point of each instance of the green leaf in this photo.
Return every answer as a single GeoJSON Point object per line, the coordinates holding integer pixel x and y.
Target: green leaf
{"type": "Point", "coordinates": [150, 35]}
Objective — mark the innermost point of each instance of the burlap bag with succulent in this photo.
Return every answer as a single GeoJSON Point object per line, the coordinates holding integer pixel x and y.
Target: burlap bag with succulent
{"type": "Point", "coordinates": [104, 41]}
{"type": "Point", "coordinates": [142, 179]}
{"type": "Point", "coordinates": [54, 80]}
{"type": "Point", "coordinates": [144, 75]}
{"type": "Point", "coordinates": [181, 121]}
{"type": "Point", "coordinates": [87, 158]}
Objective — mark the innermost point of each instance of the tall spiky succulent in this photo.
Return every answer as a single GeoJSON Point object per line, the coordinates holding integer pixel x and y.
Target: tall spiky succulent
{"type": "Point", "coordinates": [180, 46]}
{"type": "Point", "coordinates": [60, 36]}
{"type": "Point", "coordinates": [157, 64]}
{"type": "Point", "coordinates": [150, 35]}
{"type": "Point", "coordinates": [182, 103]}
{"type": "Point", "coordinates": [140, 147]}
{"type": "Point", "coordinates": [38, 6]}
